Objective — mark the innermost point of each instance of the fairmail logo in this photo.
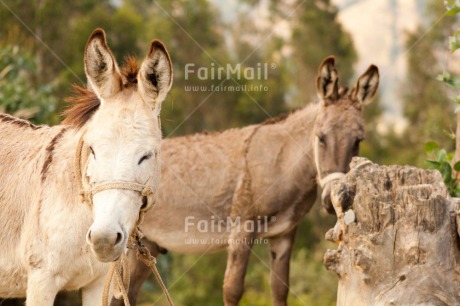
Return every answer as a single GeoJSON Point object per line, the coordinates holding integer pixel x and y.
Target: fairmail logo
{"type": "Point", "coordinates": [214, 225]}
{"type": "Point", "coordinates": [229, 71]}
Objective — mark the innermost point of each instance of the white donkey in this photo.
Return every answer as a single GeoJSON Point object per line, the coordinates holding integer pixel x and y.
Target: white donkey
{"type": "Point", "coordinates": [47, 232]}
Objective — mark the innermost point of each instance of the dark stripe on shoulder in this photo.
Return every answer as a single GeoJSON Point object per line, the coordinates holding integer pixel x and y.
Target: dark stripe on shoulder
{"type": "Point", "coordinates": [50, 151]}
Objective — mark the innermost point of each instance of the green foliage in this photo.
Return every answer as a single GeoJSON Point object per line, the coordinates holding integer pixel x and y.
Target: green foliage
{"type": "Point", "coordinates": [441, 160]}
{"type": "Point", "coordinates": [427, 107]}
{"type": "Point", "coordinates": [449, 79]}
{"type": "Point", "coordinates": [452, 81]}
{"type": "Point", "coordinates": [454, 42]}
{"type": "Point", "coordinates": [453, 7]}
{"type": "Point", "coordinates": [20, 93]}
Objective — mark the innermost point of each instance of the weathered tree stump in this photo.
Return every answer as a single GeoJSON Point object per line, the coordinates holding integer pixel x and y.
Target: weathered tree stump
{"type": "Point", "coordinates": [397, 236]}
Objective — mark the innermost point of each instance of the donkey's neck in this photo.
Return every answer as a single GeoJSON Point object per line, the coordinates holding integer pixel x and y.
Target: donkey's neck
{"type": "Point", "coordinates": [300, 133]}
{"type": "Point", "coordinates": [300, 124]}
{"type": "Point", "coordinates": [57, 165]}
{"type": "Point", "coordinates": [41, 159]}
{"type": "Point", "coordinates": [54, 166]}
{"type": "Point", "coordinates": [62, 161]}
{"type": "Point", "coordinates": [292, 140]}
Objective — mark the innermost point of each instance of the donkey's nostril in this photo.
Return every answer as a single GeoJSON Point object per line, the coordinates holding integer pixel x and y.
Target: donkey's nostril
{"type": "Point", "coordinates": [119, 238]}
{"type": "Point", "coordinates": [144, 202]}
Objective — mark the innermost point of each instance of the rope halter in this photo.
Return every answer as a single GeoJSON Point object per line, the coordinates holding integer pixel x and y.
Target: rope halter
{"type": "Point", "coordinates": [87, 191]}
{"type": "Point", "coordinates": [331, 176]}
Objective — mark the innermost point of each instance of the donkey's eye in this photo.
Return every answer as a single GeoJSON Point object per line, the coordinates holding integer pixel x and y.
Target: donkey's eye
{"type": "Point", "coordinates": [322, 139]}
{"type": "Point", "coordinates": [145, 157]}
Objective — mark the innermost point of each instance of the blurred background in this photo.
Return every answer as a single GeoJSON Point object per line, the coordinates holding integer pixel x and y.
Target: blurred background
{"type": "Point", "coordinates": [41, 55]}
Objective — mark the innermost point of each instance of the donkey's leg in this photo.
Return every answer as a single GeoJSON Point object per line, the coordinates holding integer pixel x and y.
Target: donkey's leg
{"type": "Point", "coordinates": [237, 262]}
{"type": "Point", "coordinates": [139, 274]}
{"type": "Point", "coordinates": [280, 256]}
{"type": "Point", "coordinates": [92, 293]}
{"type": "Point", "coordinates": [41, 288]}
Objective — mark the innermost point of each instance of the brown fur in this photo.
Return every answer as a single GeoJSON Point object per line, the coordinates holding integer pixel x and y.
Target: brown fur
{"type": "Point", "coordinates": [84, 103]}
{"type": "Point", "coordinates": [276, 119]}
{"type": "Point", "coordinates": [129, 71]}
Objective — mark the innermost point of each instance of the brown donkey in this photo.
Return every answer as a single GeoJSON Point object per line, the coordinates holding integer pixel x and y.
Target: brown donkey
{"type": "Point", "coordinates": [223, 190]}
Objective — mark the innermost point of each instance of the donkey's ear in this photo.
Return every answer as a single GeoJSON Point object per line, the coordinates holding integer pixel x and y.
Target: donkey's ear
{"type": "Point", "coordinates": [101, 69]}
{"type": "Point", "coordinates": [155, 76]}
{"type": "Point", "coordinates": [327, 81]}
{"type": "Point", "coordinates": [366, 87]}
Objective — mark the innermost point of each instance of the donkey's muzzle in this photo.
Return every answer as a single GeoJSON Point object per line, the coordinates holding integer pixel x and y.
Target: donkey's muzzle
{"type": "Point", "coordinates": [106, 243]}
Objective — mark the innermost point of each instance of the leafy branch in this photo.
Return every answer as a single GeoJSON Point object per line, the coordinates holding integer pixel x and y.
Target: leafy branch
{"type": "Point", "coordinates": [439, 159]}
{"type": "Point", "coordinates": [453, 7]}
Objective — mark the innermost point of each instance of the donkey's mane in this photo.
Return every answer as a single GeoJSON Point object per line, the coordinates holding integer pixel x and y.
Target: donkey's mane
{"type": "Point", "coordinates": [129, 71]}
{"type": "Point", "coordinates": [84, 102]}
{"type": "Point", "coordinates": [19, 122]}
{"type": "Point", "coordinates": [277, 119]}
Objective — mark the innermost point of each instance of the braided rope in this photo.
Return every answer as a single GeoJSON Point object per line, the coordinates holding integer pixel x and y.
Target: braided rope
{"type": "Point", "coordinates": [118, 276]}
{"type": "Point", "coordinates": [143, 254]}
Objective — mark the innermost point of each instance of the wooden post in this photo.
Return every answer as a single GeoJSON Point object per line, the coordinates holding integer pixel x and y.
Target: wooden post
{"type": "Point", "coordinates": [397, 235]}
